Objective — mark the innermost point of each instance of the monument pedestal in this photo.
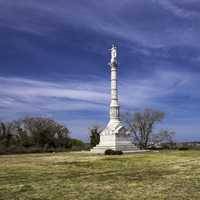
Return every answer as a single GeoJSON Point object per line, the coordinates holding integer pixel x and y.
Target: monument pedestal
{"type": "Point", "coordinates": [115, 137]}
{"type": "Point", "coordinates": [115, 143]}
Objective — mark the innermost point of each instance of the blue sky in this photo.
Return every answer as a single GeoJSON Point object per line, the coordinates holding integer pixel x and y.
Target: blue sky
{"type": "Point", "coordinates": [54, 55]}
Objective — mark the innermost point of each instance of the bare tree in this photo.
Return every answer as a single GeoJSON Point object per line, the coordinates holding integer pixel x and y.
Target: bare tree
{"type": "Point", "coordinates": [141, 124]}
{"type": "Point", "coordinates": [45, 131]}
{"type": "Point", "coordinates": [163, 136]}
{"type": "Point", "coordinates": [6, 129]}
{"type": "Point", "coordinates": [2, 129]}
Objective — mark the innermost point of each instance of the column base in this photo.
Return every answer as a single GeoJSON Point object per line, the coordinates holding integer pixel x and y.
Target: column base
{"type": "Point", "coordinates": [115, 137]}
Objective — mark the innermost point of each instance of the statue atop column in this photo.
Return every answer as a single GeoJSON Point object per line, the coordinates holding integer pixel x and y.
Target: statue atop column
{"type": "Point", "coordinates": [113, 54]}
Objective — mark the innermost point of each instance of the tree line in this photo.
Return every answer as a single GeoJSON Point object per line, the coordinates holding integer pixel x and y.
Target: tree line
{"type": "Point", "coordinates": [36, 134]}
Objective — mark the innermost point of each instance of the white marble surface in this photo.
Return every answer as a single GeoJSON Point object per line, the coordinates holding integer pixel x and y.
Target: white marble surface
{"type": "Point", "coordinates": [114, 136]}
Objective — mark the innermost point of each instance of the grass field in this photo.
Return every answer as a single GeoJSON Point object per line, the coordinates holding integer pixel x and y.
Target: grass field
{"type": "Point", "coordinates": [165, 175]}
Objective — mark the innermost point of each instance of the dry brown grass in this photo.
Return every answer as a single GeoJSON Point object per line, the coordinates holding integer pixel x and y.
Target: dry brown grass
{"type": "Point", "coordinates": [63, 176]}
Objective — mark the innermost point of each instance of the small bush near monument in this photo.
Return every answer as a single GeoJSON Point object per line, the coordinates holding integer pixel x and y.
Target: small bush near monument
{"type": "Point", "coordinates": [108, 152]}
{"type": "Point", "coordinates": [112, 152]}
{"type": "Point", "coordinates": [183, 149]}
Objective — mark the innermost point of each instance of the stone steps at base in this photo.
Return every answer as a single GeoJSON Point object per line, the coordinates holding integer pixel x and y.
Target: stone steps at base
{"type": "Point", "coordinates": [101, 149]}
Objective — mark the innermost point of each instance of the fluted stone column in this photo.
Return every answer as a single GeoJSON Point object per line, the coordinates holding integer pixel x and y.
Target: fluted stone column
{"type": "Point", "coordinates": [114, 105]}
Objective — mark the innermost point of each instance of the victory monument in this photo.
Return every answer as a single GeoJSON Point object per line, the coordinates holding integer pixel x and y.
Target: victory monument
{"type": "Point", "coordinates": [114, 136]}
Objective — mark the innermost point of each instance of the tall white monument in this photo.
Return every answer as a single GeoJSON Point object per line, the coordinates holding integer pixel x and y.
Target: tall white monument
{"type": "Point", "coordinates": [115, 135]}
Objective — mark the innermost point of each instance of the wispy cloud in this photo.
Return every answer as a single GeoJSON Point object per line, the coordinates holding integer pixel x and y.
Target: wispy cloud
{"type": "Point", "coordinates": [26, 95]}
{"type": "Point", "coordinates": [178, 11]}
{"type": "Point", "coordinates": [162, 89]}
{"type": "Point", "coordinates": [105, 17]}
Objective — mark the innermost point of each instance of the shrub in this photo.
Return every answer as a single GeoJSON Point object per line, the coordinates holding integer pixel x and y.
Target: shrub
{"type": "Point", "coordinates": [183, 148]}
{"type": "Point", "coordinates": [77, 145]}
{"type": "Point", "coordinates": [94, 135]}
{"type": "Point", "coordinates": [112, 152]}
{"type": "Point", "coordinates": [108, 152]}
{"type": "Point", "coordinates": [155, 148]}
{"type": "Point", "coordinates": [118, 152]}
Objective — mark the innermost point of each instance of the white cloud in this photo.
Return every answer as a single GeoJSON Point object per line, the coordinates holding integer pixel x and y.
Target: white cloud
{"type": "Point", "coordinates": [178, 11]}
{"type": "Point", "coordinates": [20, 97]}
{"type": "Point", "coordinates": [29, 89]}
{"type": "Point", "coordinates": [106, 18]}
{"type": "Point", "coordinates": [148, 91]}
{"type": "Point", "coordinates": [26, 95]}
